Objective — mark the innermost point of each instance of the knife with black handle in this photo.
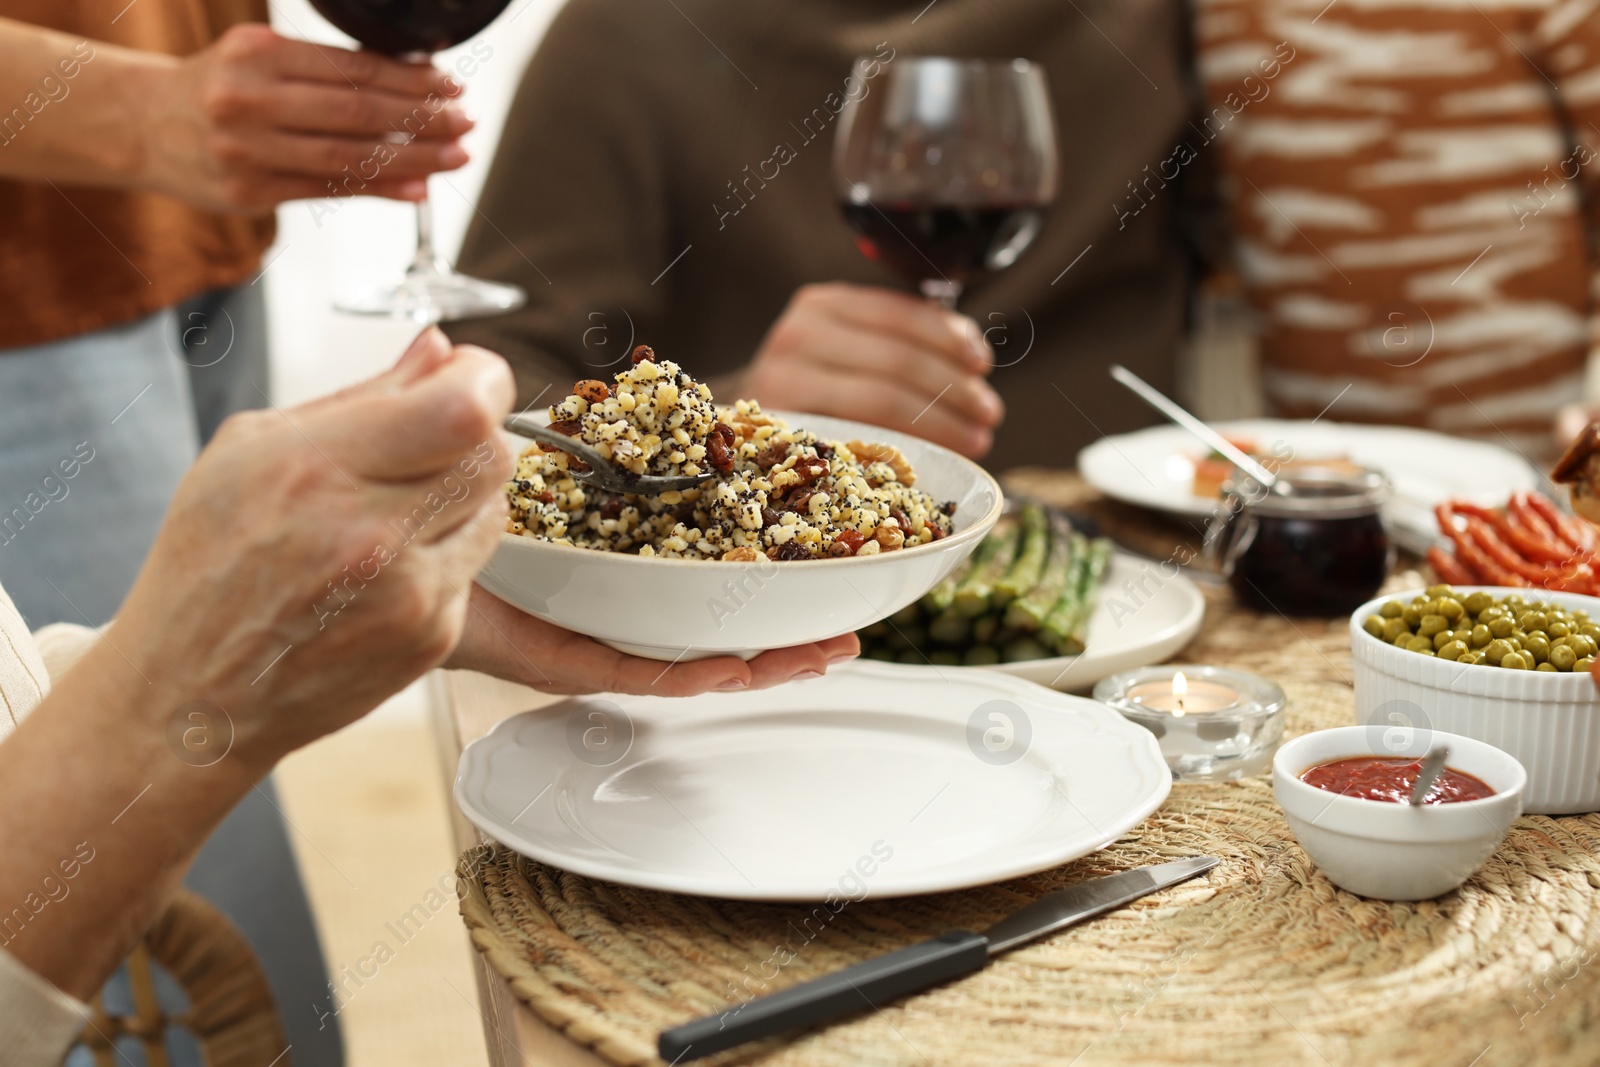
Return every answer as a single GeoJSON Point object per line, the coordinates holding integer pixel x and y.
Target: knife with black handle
{"type": "Point", "coordinates": [878, 981]}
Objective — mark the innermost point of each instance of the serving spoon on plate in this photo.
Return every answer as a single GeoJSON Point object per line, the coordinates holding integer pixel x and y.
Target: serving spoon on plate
{"type": "Point", "coordinates": [602, 473]}
{"type": "Point", "coordinates": [1174, 411]}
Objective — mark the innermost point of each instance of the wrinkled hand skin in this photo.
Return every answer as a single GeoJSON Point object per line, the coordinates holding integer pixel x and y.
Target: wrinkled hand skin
{"type": "Point", "coordinates": [317, 560]}
{"type": "Point", "coordinates": [256, 119]}
{"type": "Point", "coordinates": [233, 605]}
{"type": "Point", "coordinates": [508, 643]}
{"type": "Point", "coordinates": [880, 357]}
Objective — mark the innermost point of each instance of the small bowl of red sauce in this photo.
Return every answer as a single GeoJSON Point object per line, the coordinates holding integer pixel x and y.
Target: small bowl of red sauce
{"type": "Point", "coordinates": [1392, 779]}
{"type": "Point", "coordinates": [1347, 794]}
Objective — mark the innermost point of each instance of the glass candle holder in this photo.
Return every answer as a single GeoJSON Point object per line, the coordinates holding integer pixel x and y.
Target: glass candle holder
{"type": "Point", "coordinates": [1213, 724]}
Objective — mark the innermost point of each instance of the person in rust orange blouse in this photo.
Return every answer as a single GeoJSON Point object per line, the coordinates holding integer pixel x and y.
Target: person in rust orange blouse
{"type": "Point", "coordinates": [142, 149]}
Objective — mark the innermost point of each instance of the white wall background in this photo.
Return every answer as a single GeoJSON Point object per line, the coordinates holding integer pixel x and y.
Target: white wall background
{"type": "Point", "coordinates": [315, 349]}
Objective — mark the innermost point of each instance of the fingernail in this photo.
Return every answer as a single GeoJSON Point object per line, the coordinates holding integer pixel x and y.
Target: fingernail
{"type": "Point", "coordinates": [993, 406]}
{"type": "Point", "coordinates": [418, 348]}
{"type": "Point", "coordinates": [979, 345]}
{"type": "Point", "coordinates": [978, 442]}
{"type": "Point", "coordinates": [803, 675]}
{"type": "Point", "coordinates": [843, 657]}
{"type": "Point", "coordinates": [452, 156]}
{"type": "Point", "coordinates": [731, 684]}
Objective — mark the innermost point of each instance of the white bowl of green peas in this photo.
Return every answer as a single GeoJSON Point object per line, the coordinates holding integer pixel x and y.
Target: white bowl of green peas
{"type": "Point", "coordinates": [1506, 666]}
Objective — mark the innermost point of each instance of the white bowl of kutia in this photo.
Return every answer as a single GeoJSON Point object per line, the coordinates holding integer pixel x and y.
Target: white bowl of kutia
{"type": "Point", "coordinates": [679, 600]}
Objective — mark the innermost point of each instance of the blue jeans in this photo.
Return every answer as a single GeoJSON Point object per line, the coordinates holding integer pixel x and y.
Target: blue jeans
{"type": "Point", "coordinates": [125, 409]}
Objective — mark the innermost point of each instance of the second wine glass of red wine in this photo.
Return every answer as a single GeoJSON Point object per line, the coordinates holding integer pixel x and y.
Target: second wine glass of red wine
{"type": "Point", "coordinates": [944, 167]}
{"type": "Point", "coordinates": [431, 290]}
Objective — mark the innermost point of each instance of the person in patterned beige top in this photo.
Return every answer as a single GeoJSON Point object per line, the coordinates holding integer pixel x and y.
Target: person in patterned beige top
{"type": "Point", "coordinates": [1410, 184]}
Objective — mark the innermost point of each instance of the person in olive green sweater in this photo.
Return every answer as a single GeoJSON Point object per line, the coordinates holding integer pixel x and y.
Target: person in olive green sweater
{"type": "Point", "coordinates": [665, 178]}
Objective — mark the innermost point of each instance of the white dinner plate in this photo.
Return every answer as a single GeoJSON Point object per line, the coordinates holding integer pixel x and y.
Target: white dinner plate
{"type": "Point", "coordinates": [872, 780]}
{"type": "Point", "coordinates": [1147, 612]}
{"type": "Point", "coordinates": [1154, 468]}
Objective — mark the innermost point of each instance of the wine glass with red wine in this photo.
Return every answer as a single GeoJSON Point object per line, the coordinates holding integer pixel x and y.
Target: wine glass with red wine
{"type": "Point", "coordinates": [431, 289]}
{"type": "Point", "coordinates": [944, 167]}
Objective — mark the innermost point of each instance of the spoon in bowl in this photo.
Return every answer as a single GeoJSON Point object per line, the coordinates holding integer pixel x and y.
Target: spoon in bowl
{"type": "Point", "coordinates": [1432, 767]}
{"type": "Point", "coordinates": [602, 473]}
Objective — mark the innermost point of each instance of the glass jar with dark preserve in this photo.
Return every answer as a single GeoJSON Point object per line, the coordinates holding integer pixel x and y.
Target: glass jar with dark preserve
{"type": "Point", "coordinates": [1313, 544]}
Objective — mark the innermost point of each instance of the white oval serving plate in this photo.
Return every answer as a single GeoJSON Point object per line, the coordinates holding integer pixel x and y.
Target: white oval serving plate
{"type": "Point", "coordinates": [1154, 468]}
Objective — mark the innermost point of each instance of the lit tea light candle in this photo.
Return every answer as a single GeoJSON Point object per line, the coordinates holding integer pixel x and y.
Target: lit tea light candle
{"type": "Point", "coordinates": [1211, 723]}
{"type": "Point", "coordinates": [1183, 697]}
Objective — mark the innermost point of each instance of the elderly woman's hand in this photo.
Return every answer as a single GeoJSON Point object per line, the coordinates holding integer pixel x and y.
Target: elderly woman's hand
{"type": "Point", "coordinates": [503, 641]}
{"type": "Point", "coordinates": [316, 560]}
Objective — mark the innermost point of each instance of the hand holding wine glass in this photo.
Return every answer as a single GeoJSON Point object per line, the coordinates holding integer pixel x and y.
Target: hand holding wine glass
{"type": "Point", "coordinates": [945, 168]}
{"type": "Point", "coordinates": [876, 355]}
{"type": "Point", "coordinates": [412, 30]}
{"type": "Point", "coordinates": [257, 119]}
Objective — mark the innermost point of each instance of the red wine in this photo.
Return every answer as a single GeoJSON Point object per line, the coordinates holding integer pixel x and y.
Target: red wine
{"type": "Point", "coordinates": [932, 240]}
{"type": "Point", "coordinates": [397, 27]}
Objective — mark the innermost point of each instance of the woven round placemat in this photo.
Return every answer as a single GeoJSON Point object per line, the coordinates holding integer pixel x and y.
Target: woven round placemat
{"type": "Point", "coordinates": [1263, 961]}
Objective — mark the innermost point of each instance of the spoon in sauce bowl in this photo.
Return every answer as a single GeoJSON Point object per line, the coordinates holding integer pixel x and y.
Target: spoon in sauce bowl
{"type": "Point", "coordinates": [1432, 767]}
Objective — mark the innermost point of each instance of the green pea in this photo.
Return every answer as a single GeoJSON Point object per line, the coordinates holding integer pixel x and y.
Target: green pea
{"type": "Point", "coordinates": [1491, 613]}
{"type": "Point", "coordinates": [1498, 650]}
{"type": "Point", "coordinates": [1475, 602]}
{"type": "Point", "coordinates": [1442, 638]}
{"type": "Point", "coordinates": [1402, 639]}
{"type": "Point", "coordinates": [1501, 626]}
{"type": "Point", "coordinates": [1451, 608]}
{"type": "Point", "coordinates": [1562, 657]}
{"type": "Point", "coordinates": [1590, 630]}
{"type": "Point", "coordinates": [1418, 643]}
{"type": "Point", "coordinates": [1470, 657]}
{"type": "Point", "coordinates": [1545, 667]}
{"type": "Point", "coordinates": [1392, 609]}
{"type": "Point", "coordinates": [1537, 645]}
{"type": "Point", "coordinates": [1413, 613]}
{"type": "Point", "coordinates": [1373, 625]}
{"type": "Point", "coordinates": [1432, 624]}
{"type": "Point", "coordinates": [1514, 661]}
{"type": "Point", "coordinates": [1453, 650]}
{"type": "Point", "coordinates": [1441, 590]}
{"type": "Point", "coordinates": [1582, 664]}
{"type": "Point", "coordinates": [1582, 644]}
{"type": "Point", "coordinates": [1532, 620]}
{"type": "Point", "coordinates": [1393, 628]}
{"type": "Point", "coordinates": [1559, 628]}
{"type": "Point", "coordinates": [1481, 635]}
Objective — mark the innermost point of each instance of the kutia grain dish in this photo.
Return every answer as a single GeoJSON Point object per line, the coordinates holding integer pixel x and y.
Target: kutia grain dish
{"type": "Point", "coordinates": [778, 492]}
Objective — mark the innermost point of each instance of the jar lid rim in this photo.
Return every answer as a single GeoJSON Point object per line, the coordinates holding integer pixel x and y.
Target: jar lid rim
{"type": "Point", "coordinates": [1329, 492]}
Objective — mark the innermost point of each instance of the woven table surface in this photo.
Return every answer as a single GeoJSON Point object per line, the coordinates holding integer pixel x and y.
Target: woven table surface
{"type": "Point", "coordinates": [1262, 961]}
